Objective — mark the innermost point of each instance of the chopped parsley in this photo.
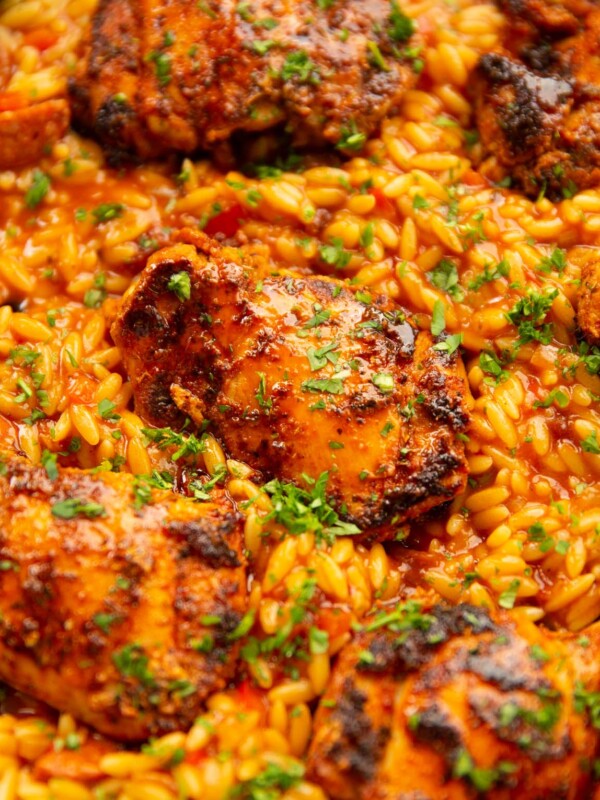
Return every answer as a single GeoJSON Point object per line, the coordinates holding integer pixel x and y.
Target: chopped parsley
{"type": "Point", "coordinates": [261, 393]}
{"type": "Point", "coordinates": [106, 409]}
{"type": "Point", "coordinates": [143, 485]}
{"type": "Point", "coordinates": [162, 66]}
{"type": "Point", "coordinates": [589, 357]}
{"type": "Point", "coordinates": [244, 626]}
{"type": "Point", "coordinates": [585, 700]}
{"type": "Point", "coordinates": [318, 641]}
{"type": "Point", "coordinates": [450, 344]}
{"type": "Point", "coordinates": [262, 46]}
{"type": "Point", "coordinates": [387, 428]}
{"type": "Point", "coordinates": [405, 617]}
{"type": "Point", "coordinates": [555, 262]}
{"type": "Point", "coordinates": [180, 284]}
{"type": "Point", "coordinates": [376, 58]}
{"type": "Point", "coordinates": [491, 365]}
{"type": "Point", "coordinates": [201, 489]}
{"type": "Point", "coordinates": [528, 316]}
{"type": "Point", "coordinates": [555, 396]}
{"type": "Point", "coordinates": [24, 355]}
{"type": "Point", "coordinates": [590, 444]}
{"type": "Point", "coordinates": [300, 510]}
{"type": "Point", "coordinates": [419, 203]}
{"type": "Point", "coordinates": [268, 23]}
{"type": "Point", "coordinates": [367, 236]}
{"type": "Point", "coordinates": [49, 462]}
{"type": "Point", "coordinates": [107, 211]}
{"type": "Point", "coordinates": [181, 688]}
{"type": "Point", "coordinates": [269, 783]}
{"type": "Point", "coordinates": [489, 274]}
{"type": "Point", "coordinates": [537, 653]}
{"type": "Point", "coordinates": [319, 357]}
{"type": "Point", "coordinates": [94, 298]}
{"type": "Point", "coordinates": [321, 316]}
{"type": "Point", "coordinates": [401, 27]}
{"type": "Point", "coordinates": [39, 188]}
{"type": "Point", "coordinates": [544, 718]}
{"type": "Point", "coordinates": [445, 277]}
{"type": "Point", "coordinates": [508, 597]}
{"type": "Point", "coordinates": [351, 138]}
{"type": "Point", "coordinates": [72, 507]}
{"type": "Point", "coordinates": [287, 645]}
{"type": "Point", "coordinates": [187, 444]}
{"type": "Point", "coordinates": [438, 318]}
{"type": "Point", "coordinates": [327, 385]}
{"type": "Point", "coordinates": [334, 254]}
{"type": "Point", "coordinates": [104, 621]}
{"type": "Point", "coordinates": [72, 741]}
{"type": "Point", "coordinates": [365, 658]}
{"type": "Point", "coordinates": [482, 779]}
{"type": "Point", "coordinates": [299, 67]}
{"type": "Point", "coordinates": [132, 662]}
{"type": "Point", "coordinates": [538, 534]}
{"type": "Point", "coordinates": [384, 381]}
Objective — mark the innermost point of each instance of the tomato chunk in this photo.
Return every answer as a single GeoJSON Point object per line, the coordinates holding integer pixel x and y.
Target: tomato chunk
{"type": "Point", "coordinates": [335, 621]}
{"type": "Point", "coordinates": [12, 101]}
{"type": "Point", "coordinates": [226, 222]}
{"type": "Point", "coordinates": [250, 697]}
{"type": "Point", "coordinates": [41, 38]}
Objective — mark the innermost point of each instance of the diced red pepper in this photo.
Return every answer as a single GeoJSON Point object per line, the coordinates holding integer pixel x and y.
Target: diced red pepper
{"type": "Point", "coordinates": [12, 101]}
{"type": "Point", "coordinates": [196, 757]}
{"type": "Point", "coordinates": [381, 201]}
{"type": "Point", "coordinates": [226, 222]}
{"type": "Point", "coordinates": [333, 620]}
{"type": "Point", "coordinates": [41, 38]}
{"type": "Point", "coordinates": [250, 697]}
{"type": "Point", "coordinates": [80, 389]}
{"type": "Point", "coordinates": [472, 178]}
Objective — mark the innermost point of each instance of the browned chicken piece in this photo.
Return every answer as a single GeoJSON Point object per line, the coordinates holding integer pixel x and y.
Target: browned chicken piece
{"type": "Point", "coordinates": [27, 128]}
{"type": "Point", "coordinates": [452, 704]}
{"type": "Point", "coordinates": [177, 76]}
{"type": "Point", "coordinates": [298, 377]}
{"type": "Point", "coordinates": [588, 308]}
{"type": "Point", "coordinates": [554, 17]}
{"type": "Point", "coordinates": [27, 133]}
{"type": "Point", "coordinates": [538, 101]}
{"type": "Point", "coordinates": [121, 615]}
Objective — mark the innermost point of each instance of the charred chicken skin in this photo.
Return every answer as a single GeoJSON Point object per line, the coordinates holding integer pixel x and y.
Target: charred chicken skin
{"type": "Point", "coordinates": [297, 377]}
{"type": "Point", "coordinates": [451, 704]}
{"type": "Point", "coordinates": [122, 616]}
{"type": "Point", "coordinates": [538, 100]}
{"type": "Point", "coordinates": [177, 76]}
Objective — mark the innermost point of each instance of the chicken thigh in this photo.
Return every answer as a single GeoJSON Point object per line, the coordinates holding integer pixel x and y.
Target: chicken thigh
{"type": "Point", "coordinates": [298, 376]}
{"type": "Point", "coordinates": [121, 613]}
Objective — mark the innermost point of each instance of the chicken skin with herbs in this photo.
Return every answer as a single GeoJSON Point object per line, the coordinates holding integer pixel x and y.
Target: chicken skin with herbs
{"type": "Point", "coordinates": [297, 377]}
{"type": "Point", "coordinates": [451, 703]}
{"type": "Point", "coordinates": [537, 100]}
{"type": "Point", "coordinates": [120, 612]}
{"type": "Point", "coordinates": [171, 76]}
